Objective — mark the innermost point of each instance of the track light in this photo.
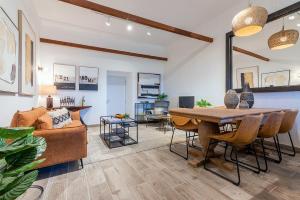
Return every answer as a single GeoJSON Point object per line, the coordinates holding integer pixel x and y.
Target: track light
{"type": "Point", "coordinates": [129, 27]}
{"type": "Point", "coordinates": [292, 17]}
{"type": "Point", "coordinates": [108, 22]}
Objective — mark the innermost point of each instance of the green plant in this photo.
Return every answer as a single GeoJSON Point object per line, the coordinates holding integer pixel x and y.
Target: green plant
{"type": "Point", "coordinates": [19, 151]}
{"type": "Point", "coordinates": [203, 103]}
{"type": "Point", "coordinates": [162, 96]}
{"type": "Point", "coordinates": [126, 115]}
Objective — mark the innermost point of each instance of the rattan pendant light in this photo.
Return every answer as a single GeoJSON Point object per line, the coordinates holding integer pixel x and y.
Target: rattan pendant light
{"type": "Point", "coordinates": [283, 39]}
{"type": "Point", "coordinates": [249, 21]}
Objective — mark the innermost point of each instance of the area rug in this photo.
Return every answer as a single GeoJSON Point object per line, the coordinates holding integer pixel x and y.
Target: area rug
{"type": "Point", "coordinates": [150, 137]}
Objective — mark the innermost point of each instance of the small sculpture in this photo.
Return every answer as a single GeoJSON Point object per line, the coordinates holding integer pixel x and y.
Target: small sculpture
{"type": "Point", "coordinates": [231, 99]}
{"type": "Point", "coordinates": [247, 95]}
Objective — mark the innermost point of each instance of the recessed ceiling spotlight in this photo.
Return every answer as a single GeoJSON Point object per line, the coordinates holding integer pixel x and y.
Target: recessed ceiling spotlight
{"type": "Point", "coordinates": [129, 27]}
{"type": "Point", "coordinates": [292, 17]}
{"type": "Point", "coordinates": [149, 33]}
{"type": "Point", "coordinates": [298, 24]}
{"type": "Point", "coordinates": [108, 22]}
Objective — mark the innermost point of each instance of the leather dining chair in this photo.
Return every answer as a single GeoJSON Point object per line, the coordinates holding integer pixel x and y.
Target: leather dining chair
{"type": "Point", "coordinates": [245, 135]}
{"type": "Point", "coordinates": [270, 129]}
{"type": "Point", "coordinates": [190, 126]}
{"type": "Point", "coordinates": [286, 127]}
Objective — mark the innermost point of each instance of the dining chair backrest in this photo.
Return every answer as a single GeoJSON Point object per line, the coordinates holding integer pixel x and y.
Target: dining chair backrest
{"type": "Point", "coordinates": [272, 124]}
{"type": "Point", "coordinates": [248, 130]}
{"type": "Point", "coordinates": [183, 123]}
{"type": "Point", "coordinates": [288, 121]}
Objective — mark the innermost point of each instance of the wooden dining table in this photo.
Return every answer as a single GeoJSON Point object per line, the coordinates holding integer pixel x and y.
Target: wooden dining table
{"type": "Point", "coordinates": [210, 119]}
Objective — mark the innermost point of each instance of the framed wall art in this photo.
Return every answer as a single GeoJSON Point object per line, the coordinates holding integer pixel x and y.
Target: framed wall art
{"type": "Point", "coordinates": [64, 76]}
{"type": "Point", "coordinates": [88, 78]}
{"type": "Point", "coordinates": [27, 73]}
{"type": "Point", "coordinates": [9, 54]}
{"type": "Point", "coordinates": [247, 75]}
{"type": "Point", "coordinates": [274, 79]}
{"type": "Point", "coordinates": [148, 85]}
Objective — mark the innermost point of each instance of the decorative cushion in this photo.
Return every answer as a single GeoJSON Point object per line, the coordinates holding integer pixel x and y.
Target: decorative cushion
{"type": "Point", "coordinates": [60, 118]}
{"type": "Point", "coordinates": [75, 115]}
{"type": "Point", "coordinates": [45, 122]}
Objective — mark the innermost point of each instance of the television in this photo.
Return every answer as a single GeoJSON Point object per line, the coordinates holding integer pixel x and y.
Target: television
{"type": "Point", "coordinates": [186, 102]}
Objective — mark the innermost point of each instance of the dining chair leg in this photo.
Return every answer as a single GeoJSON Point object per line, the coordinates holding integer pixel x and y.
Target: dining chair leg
{"type": "Point", "coordinates": [220, 175]}
{"type": "Point", "coordinates": [293, 147]}
{"type": "Point", "coordinates": [264, 156]}
{"type": "Point", "coordinates": [278, 149]}
{"type": "Point", "coordinates": [171, 144]}
{"type": "Point", "coordinates": [254, 168]}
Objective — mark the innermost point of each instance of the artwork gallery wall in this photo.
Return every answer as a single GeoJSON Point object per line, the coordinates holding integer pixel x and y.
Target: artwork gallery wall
{"type": "Point", "coordinates": [51, 54]}
{"type": "Point", "coordinates": [21, 88]}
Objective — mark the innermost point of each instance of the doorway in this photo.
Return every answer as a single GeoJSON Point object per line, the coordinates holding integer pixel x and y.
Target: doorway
{"type": "Point", "coordinates": [116, 94]}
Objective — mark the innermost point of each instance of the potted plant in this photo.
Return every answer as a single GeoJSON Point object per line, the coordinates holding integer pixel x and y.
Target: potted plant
{"type": "Point", "coordinates": [19, 153]}
{"type": "Point", "coordinates": [162, 97]}
{"type": "Point", "coordinates": [203, 103]}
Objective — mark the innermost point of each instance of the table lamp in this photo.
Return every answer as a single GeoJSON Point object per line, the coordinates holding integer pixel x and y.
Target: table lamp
{"type": "Point", "coordinates": [48, 90]}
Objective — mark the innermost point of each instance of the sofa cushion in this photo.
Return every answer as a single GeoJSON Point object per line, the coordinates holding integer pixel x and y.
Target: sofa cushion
{"type": "Point", "coordinates": [14, 121]}
{"type": "Point", "coordinates": [60, 118]}
{"type": "Point", "coordinates": [75, 115]}
{"type": "Point", "coordinates": [40, 111]}
{"type": "Point", "coordinates": [29, 118]}
{"type": "Point", "coordinates": [45, 122]}
{"type": "Point", "coordinates": [75, 123]}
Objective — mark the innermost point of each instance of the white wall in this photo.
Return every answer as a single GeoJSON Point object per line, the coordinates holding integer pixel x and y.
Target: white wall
{"type": "Point", "coordinates": [198, 69]}
{"type": "Point", "coordinates": [51, 54]}
{"type": "Point", "coordinates": [10, 103]}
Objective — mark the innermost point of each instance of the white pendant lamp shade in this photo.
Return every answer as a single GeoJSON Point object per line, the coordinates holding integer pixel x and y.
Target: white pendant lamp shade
{"type": "Point", "coordinates": [283, 39]}
{"type": "Point", "coordinates": [249, 21]}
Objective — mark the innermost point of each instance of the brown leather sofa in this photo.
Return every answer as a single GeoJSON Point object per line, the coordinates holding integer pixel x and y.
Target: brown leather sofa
{"type": "Point", "coordinates": [63, 144]}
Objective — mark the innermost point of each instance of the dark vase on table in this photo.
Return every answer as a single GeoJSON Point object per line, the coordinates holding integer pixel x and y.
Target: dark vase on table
{"type": "Point", "coordinates": [247, 95]}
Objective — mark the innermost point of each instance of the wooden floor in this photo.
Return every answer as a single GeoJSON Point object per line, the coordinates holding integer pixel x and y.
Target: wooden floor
{"type": "Point", "coordinates": [161, 175]}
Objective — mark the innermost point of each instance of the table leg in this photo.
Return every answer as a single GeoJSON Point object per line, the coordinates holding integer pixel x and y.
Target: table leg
{"type": "Point", "coordinates": [204, 130]}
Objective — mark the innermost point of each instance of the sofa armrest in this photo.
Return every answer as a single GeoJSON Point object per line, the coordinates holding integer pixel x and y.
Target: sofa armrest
{"type": "Point", "coordinates": [63, 145]}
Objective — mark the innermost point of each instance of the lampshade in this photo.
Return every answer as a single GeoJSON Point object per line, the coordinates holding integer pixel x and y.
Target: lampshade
{"type": "Point", "coordinates": [283, 39]}
{"type": "Point", "coordinates": [47, 90]}
{"type": "Point", "coordinates": [249, 21]}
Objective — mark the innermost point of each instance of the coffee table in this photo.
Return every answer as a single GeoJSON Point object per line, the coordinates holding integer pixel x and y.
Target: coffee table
{"type": "Point", "coordinates": [115, 132]}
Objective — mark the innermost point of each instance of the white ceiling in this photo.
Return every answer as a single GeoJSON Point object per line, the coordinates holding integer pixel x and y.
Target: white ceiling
{"type": "Point", "coordinates": [185, 14]}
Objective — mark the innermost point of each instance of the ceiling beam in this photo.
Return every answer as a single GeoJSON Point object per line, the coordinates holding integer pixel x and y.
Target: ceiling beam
{"type": "Point", "coordinates": [134, 18]}
{"type": "Point", "coordinates": [249, 53]}
{"type": "Point", "coordinates": [114, 51]}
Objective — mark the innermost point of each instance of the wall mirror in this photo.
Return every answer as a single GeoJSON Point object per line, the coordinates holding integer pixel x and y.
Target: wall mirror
{"type": "Point", "coordinates": [251, 60]}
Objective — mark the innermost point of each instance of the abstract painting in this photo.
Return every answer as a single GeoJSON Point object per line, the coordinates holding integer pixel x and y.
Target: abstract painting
{"type": "Point", "coordinates": [247, 75]}
{"type": "Point", "coordinates": [88, 78]}
{"type": "Point", "coordinates": [9, 52]}
{"type": "Point", "coordinates": [64, 76]}
{"type": "Point", "coordinates": [274, 79]}
{"type": "Point", "coordinates": [28, 56]}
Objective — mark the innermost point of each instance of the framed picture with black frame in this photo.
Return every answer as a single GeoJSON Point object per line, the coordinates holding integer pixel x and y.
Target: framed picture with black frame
{"type": "Point", "coordinates": [148, 85]}
{"type": "Point", "coordinates": [64, 76]}
{"type": "Point", "coordinates": [88, 78]}
{"type": "Point", "coordinates": [276, 79]}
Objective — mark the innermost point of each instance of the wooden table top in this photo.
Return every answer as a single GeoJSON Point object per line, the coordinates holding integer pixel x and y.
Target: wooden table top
{"type": "Point", "coordinates": [220, 115]}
